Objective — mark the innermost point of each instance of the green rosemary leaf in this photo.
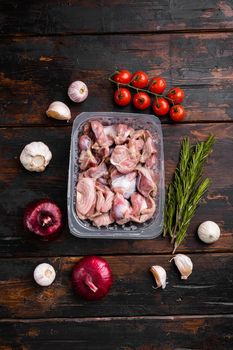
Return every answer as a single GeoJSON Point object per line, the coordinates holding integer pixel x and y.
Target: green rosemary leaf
{"type": "Point", "coordinates": [186, 189]}
{"type": "Point", "coordinates": [190, 211]}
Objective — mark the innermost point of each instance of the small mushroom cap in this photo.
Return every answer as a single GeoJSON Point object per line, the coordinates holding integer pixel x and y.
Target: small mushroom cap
{"type": "Point", "coordinates": [44, 274]}
{"type": "Point", "coordinates": [209, 232]}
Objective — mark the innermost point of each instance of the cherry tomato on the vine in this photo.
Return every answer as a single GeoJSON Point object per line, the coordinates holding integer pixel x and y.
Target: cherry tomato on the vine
{"type": "Point", "coordinates": [141, 100]}
{"type": "Point", "coordinates": [139, 80]}
{"type": "Point", "coordinates": [177, 113]}
{"type": "Point", "coordinates": [122, 77]}
{"type": "Point", "coordinates": [176, 95]}
{"type": "Point", "coordinates": [157, 85]}
{"type": "Point", "coordinates": [160, 106]}
{"type": "Point", "coordinates": [122, 96]}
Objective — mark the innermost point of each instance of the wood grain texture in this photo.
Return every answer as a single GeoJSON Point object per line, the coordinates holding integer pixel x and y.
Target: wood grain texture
{"type": "Point", "coordinates": [63, 17]}
{"type": "Point", "coordinates": [207, 291]}
{"type": "Point", "coordinates": [36, 71]}
{"type": "Point", "coordinates": [19, 187]}
{"type": "Point", "coordinates": [150, 333]}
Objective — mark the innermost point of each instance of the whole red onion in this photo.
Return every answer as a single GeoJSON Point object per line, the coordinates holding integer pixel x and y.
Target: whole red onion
{"type": "Point", "coordinates": [92, 277]}
{"type": "Point", "coordinates": [43, 218]}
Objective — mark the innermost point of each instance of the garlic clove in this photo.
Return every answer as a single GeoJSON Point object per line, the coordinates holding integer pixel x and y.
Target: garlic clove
{"type": "Point", "coordinates": [35, 156]}
{"type": "Point", "coordinates": [184, 265]}
{"type": "Point", "coordinates": [58, 110]}
{"type": "Point", "coordinates": [209, 232]}
{"type": "Point", "coordinates": [160, 275]}
{"type": "Point", "coordinates": [78, 91]}
{"type": "Point", "coordinates": [44, 274]}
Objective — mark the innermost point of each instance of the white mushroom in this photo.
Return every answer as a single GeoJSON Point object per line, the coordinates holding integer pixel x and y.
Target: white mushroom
{"type": "Point", "coordinates": [35, 156]}
{"type": "Point", "coordinates": [44, 274]}
{"type": "Point", "coordinates": [208, 232]}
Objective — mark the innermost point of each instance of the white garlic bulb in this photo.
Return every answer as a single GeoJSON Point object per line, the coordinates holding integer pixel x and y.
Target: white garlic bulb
{"type": "Point", "coordinates": [78, 91]}
{"type": "Point", "coordinates": [184, 265]}
{"type": "Point", "coordinates": [160, 275]}
{"type": "Point", "coordinates": [44, 274]}
{"type": "Point", "coordinates": [35, 156]}
{"type": "Point", "coordinates": [208, 232]}
{"type": "Point", "coordinates": [58, 110]}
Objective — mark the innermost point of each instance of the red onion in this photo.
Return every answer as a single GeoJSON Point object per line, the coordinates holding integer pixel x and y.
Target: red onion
{"type": "Point", "coordinates": [44, 218]}
{"type": "Point", "coordinates": [92, 277]}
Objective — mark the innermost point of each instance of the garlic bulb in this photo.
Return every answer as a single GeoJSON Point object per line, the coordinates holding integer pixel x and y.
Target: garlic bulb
{"type": "Point", "coordinates": [78, 91]}
{"type": "Point", "coordinates": [184, 265]}
{"type": "Point", "coordinates": [58, 110]}
{"type": "Point", "coordinates": [44, 274]}
{"type": "Point", "coordinates": [208, 232]}
{"type": "Point", "coordinates": [35, 156]}
{"type": "Point", "coordinates": [160, 275]}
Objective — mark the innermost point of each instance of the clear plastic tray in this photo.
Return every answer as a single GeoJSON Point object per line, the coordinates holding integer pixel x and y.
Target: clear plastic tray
{"type": "Point", "coordinates": [84, 229]}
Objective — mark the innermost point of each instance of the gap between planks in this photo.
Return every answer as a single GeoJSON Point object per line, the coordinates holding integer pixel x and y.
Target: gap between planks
{"type": "Point", "coordinates": [114, 318]}
{"type": "Point", "coordinates": [198, 252]}
{"type": "Point", "coordinates": [7, 126]}
{"type": "Point", "coordinates": [166, 254]}
{"type": "Point", "coordinates": [168, 32]}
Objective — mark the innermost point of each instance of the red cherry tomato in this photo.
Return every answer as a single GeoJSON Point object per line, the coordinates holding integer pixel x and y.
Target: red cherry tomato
{"type": "Point", "coordinates": [141, 100]}
{"type": "Point", "coordinates": [139, 80]}
{"type": "Point", "coordinates": [177, 113]}
{"type": "Point", "coordinates": [157, 85]}
{"type": "Point", "coordinates": [122, 77]}
{"type": "Point", "coordinates": [176, 95]}
{"type": "Point", "coordinates": [160, 106]}
{"type": "Point", "coordinates": [122, 97]}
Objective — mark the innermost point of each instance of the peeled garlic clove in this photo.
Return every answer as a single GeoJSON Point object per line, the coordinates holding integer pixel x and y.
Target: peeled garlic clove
{"type": "Point", "coordinates": [44, 274]}
{"type": "Point", "coordinates": [160, 275]}
{"type": "Point", "coordinates": [35, 156]}
{"type": "Point", "coordinates": [78, 91]}
{"type": "Point", "coordinates": [58, 110]}
{"type": "Point", "coordinates": [184, 265]}
{"type": "Point", "coordinates": [208, 232]}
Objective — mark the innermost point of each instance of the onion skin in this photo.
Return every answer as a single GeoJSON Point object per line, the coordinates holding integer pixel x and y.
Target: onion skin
{"type": "Point", "coordinates": [43, 218]}
{"type": "Point", "coordinates": [92, 278]}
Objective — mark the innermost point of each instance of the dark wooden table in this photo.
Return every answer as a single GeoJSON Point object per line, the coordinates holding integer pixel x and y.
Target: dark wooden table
{"type": "Point", "coordinates": [44, 46]}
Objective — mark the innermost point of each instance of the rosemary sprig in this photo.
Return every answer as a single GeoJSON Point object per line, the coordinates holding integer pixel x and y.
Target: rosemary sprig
{"type": "Point", "coordinates": [186, 189]}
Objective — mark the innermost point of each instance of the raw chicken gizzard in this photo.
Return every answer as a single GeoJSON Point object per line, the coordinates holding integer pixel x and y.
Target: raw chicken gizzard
{"type": "Point", "coordinates": [117, 174]}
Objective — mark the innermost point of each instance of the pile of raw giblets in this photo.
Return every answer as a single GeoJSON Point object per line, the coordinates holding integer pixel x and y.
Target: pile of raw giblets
{"type": "Point", "coordinates": [117, 181]}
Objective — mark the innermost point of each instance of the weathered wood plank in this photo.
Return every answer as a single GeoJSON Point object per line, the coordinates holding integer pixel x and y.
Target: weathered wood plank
{"type": "Point", "coordinates": [19, 187]}
{"type": "Point", "coordinates": [56, 17]}
{"type": "Point", "coordinates": [36, 71]}
{"type": "Point", "coordinates": [150, 333]}
{"type": "Point", "coordinates": [207, 291]}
